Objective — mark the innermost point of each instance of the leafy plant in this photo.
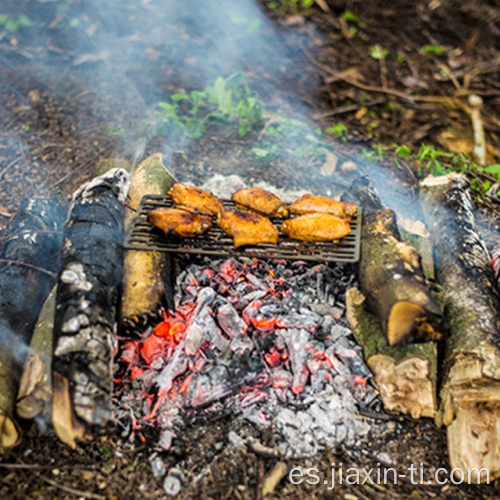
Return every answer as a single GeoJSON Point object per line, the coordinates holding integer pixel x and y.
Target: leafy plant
{"type": "Point", "coordinates": [12, 24]}
{"type": "Point", "coordinates": [431, 50]}
{"type": "Point", "coordinates": [350, 23]}
{"type": "Point", "coordinates": [228, 102]}
{"type": "Point", "coordinates": [377, 52]}
{"type": "Point", "coordinates": [338, 129]}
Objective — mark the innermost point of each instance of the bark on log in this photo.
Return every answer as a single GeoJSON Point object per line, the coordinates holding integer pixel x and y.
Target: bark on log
{"type": "Point", "coordinates": [146, 273]}
{"type": "Point", "coordinates": [35, 388]}
{"type": "Point", "coordinates": [405, 375]}
{"type": "Point", "coordinates": [391, 277]}
{"type": "Point", "coordinates": [86, 303]}
{"type": "Point", "coordinates": [28, 268]}
{"type": "Point", "coordinates": [470, 393]}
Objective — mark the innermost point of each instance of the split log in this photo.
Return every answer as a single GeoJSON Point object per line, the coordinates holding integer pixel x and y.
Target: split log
{"type": "Point", "coordinates": [28, 268]}
{"type": "Point", "coordinates": [86, 304]}
{"type": "Point", "coordinates": [470, 393]}
{"type": "Point", "coordinates": [146, 273]}
{"type": "Point", "coordinates": [391, 276]}
{"type": "Point", "coordinates": [405, 375]}
{"type": "Point", "coordinates": [35, 388]}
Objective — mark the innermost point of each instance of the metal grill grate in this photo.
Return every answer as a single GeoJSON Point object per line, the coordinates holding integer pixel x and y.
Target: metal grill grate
{"type": "Point", "coordinates": [144, 236]}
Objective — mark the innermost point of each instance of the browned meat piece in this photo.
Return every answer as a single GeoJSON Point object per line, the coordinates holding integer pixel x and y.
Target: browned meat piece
{"type": "Point", "coordinates": [195, 198]}
{"type": "Point", "coordinates": [310, 203]}
{"type": "Point", "coordinates": [179, 222]}
{"type": "Point", "coordinates": [247, 228]}
{"type": "Point", "coordinates": [260, 201]}
{"type": "Point", "coordinates": [316, 227]}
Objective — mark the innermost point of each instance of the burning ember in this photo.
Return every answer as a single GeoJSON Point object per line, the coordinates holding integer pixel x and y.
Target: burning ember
{"type": "Point", "coordinates": [265, 340]}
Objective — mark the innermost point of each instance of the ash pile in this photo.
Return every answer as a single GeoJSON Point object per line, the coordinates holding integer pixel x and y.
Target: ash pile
{"type": "Point", "coordinates": [265, 341]}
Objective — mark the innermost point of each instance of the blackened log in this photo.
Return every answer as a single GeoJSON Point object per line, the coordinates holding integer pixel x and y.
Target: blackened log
{"type": "Point", "coordinates": [29, 263]}
{"type": "Point", "coordinates": [405, 375]}
{"type": "Point", "coordinates": [86, 303]}
{"type": "Point", "coordinates": [470, 393]}
{"type": "Point", "coordinates": [147, 282]}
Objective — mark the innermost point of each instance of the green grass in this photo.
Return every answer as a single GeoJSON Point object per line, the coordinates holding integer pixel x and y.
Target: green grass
{"type": "Point", "coordinates": [430, 160]}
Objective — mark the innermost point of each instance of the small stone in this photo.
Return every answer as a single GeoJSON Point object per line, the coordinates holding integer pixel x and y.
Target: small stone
{"type": "Point", "coordinates": [172, 486]}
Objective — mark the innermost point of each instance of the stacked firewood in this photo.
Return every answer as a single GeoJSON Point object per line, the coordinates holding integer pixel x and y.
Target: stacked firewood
{"type": "Point", "coordinates": [397, 313]}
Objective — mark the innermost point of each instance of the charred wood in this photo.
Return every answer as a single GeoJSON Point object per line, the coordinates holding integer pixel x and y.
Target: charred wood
{"type": "Point", "coordinates": [86, 303]}
{"type": "Point", "coordinates": [28, 269]}
{"type": "Point", "coordinates": [146, 273]}
{"type": "Point", "coordinates": [405, 375]}
{"type": "Point", "coordinates": [470, 393]}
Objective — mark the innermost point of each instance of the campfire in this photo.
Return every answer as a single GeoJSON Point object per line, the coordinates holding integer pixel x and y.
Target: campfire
{"type": "Point", "coordinates": [266, 340]}
{"type": "Point", "coordinates": [282, 337]}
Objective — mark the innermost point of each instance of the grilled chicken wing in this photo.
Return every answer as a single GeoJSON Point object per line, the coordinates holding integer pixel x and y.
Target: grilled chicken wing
{"type": "Point", "coordinates": [247, 228]}
{"type": "Point", "coordinates": [316, 227]}
{"type": "Point", "coordinates": [310, 203]}
{"type": "Point", "coordinates": [260, 201]}
{"type": "Point", "coordinates": [179, 222]}
{"type": "Point", "coordinates": [195, 198]}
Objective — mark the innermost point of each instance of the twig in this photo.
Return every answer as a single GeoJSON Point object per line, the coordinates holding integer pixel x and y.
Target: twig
{"type": "Point", "coordinates": [479, 152]}
{"type": "Point", "coordinates": [474, 113]}
{"type": "Point", "coordinates": [73, 491]}
{"type": "Point", "coordinates": [388, 91]}
{"type": "Point", "coordinates": [266, 126]}
{"type": "Point", "coordinates": [11, 164]}
{"type": "Point", "coordinates": [36, 268]}
{"type": "Point", "coordinates": [39, 466]}
{"type": "Point", "coordinates": [348, 109]}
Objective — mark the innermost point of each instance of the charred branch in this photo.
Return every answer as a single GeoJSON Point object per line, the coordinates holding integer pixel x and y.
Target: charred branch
{"type": "Point", "coordinates": [28, 266]}
{"type": "Point", "coordinates": [470, 394]}
{"type": "Point", "coordinates": [86, 303]}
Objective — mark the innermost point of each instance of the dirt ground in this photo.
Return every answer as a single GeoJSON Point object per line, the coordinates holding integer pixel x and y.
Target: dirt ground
{"type": "Point", "coordinates": [79, 84]}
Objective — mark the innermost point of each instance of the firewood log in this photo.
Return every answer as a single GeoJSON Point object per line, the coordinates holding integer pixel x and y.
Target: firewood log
{"type": "Point", "coordinates": [405, 375]}
{"type": "Point", "coordinates": [86, 303]}
{"type": "Point", "coordinates": [391, 275]}
{"type": "Point", "coordinates": [145, 272]}
{"type": "Point", "coordinates": [470, 392]}
{"type": "Point", "coordinates": [35, 388]}
{"type": "Point", "coordinates": [28, 269]}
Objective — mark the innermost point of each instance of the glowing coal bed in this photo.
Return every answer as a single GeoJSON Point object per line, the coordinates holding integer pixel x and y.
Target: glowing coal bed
{"type": "Point", "coordinates": [266, 341]}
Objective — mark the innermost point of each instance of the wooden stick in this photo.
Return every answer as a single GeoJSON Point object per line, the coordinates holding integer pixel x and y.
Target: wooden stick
{"type": "Point", "coordinates": [470, 393]}
{"type": "Point", "coordinates": [405, 375]}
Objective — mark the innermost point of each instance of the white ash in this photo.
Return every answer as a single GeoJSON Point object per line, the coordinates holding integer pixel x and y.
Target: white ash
{"type": "Point", "coordinates": [263, 341]}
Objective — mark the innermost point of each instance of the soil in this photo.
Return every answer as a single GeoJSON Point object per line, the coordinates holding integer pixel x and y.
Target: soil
{"type": "Point", "coordinates": [80, 85]}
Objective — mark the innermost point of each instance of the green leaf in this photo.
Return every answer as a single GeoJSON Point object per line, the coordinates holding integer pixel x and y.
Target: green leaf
{"type": "Point", "coordinates": [431, 50]}
{"type": "Point", "coordinates": [493, 169]}
{"type": "Point", "coordinates": [377, 52]}
{"type": "Point", "coordinates": [181, 96]}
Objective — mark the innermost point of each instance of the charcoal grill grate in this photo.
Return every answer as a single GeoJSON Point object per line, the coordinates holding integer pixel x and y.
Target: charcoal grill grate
{"type": "Point", "coordinates": [143, 236]}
